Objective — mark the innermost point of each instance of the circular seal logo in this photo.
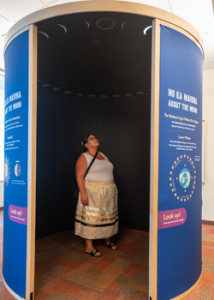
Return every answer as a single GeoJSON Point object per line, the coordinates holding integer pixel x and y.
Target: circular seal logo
{"type": "Point", "coordinates": [182, 178]}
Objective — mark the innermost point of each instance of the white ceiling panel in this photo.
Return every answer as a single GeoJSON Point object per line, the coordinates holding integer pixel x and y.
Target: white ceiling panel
{"type": "Point", "coordinates": [1, 53]}
{"type": "Point", "coordinates": [57, 2]}
{"type": "Point", "coordinates": [5, 27]}
{"type": "Point", "coordinates": [46, 2]}
{"type": "Point", "coordinates": [3, 21]}
{"type": "Point", "coordinates": [15, 9]}
{"type": "Point", "coordinates": [199, 13]}
{"type": "Point", "coordinates": [162, 4]}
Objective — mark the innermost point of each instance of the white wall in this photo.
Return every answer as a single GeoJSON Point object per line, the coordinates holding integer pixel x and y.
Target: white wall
{"type": "Point", "coordinates": [208, 116]}
{"type": "Point", "coordinates": [1, 193]}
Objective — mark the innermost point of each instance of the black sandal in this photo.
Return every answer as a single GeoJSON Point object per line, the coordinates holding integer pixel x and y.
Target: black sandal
{"type": "Point", "coordinates": [111, 245]}
{"type": "Point", "coordinates": [93, 253]}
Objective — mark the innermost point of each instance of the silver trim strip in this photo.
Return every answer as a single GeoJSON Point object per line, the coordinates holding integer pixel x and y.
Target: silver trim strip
{"type": "Point", "coordinates": [15, 35]}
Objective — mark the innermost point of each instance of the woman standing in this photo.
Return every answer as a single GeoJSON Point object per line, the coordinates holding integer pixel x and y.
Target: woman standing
{"type": "Point", "coordinates": [97, 208]}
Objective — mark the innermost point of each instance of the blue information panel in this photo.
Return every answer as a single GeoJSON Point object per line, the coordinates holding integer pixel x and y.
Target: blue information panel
{"type": "Point", "coordinates": [180, 138]}
{"type": "Point", "coordinates": [16, 156]}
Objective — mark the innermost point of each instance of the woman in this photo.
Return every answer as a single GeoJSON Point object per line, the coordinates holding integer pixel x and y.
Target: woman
{"type": "Point", "coordinates": [97, 209]}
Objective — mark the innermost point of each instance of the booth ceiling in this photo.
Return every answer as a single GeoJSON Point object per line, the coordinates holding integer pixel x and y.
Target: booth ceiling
{"type": "Point", "coordinates": [96, 55]}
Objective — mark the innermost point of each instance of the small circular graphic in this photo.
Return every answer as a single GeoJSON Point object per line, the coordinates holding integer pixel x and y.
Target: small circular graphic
{"type": "Point", "coordinates": [17, 170]}
{"type": "Point", "coordinates": [62, 26]}
{"type": "Point", "coordinates": [184, 178]}
{"type": "Point", "coordinates": [105, 24]}
{"type": "Point", "coordinates": [122, 26]}
{"type": "Point", "coordinates": [87, 23]}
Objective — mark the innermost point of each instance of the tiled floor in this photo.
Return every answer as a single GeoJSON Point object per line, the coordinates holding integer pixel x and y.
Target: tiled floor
{"type": "Point", "coordinates": [205, 288]}
{"type": "Point", "coordinates": [65, 272]}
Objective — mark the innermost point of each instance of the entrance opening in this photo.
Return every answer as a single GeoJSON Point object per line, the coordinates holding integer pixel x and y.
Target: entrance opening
{"type": "Point", "coordinates": [94, 76]}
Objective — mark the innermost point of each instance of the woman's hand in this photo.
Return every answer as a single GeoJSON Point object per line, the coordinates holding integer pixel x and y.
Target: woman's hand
{"type": "Point", "coordinates": [84, 199]}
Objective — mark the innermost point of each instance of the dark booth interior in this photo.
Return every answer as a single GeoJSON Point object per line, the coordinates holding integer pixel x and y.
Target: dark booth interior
{"type": "Point", "coordinates": [94, 76]}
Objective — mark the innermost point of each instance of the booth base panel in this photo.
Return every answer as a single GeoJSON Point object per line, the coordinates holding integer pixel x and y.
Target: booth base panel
{"type": "Point", "coordinates": [11, 291]}
{"type": "Point", "coordinates": [185, 294]}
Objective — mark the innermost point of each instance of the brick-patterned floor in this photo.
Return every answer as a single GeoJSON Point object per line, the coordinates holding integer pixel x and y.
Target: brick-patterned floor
{"type": "Point", "coordinates": [65, 272]}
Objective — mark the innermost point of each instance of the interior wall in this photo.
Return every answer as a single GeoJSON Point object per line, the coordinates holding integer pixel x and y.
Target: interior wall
{"type": "Point", "coordinates": [208, 108]}
{"type": "Point", "coordinates": [94, 76]}
{"type": "Point", "coordinates": [47, 219]}
{"type": "Point", "coordinates": [123, 128]}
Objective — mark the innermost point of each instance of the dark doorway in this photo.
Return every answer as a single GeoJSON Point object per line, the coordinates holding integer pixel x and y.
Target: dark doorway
{"type": "Point", "coordinates": [94, 76]}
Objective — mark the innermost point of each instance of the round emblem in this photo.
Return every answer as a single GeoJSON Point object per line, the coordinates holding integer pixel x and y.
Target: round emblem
{"type": "Point", "coordinates": [182, 179]}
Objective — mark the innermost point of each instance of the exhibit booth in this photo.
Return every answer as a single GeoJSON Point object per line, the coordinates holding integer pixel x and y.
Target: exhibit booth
{"type": "Point", "coordinates": [131, 75]}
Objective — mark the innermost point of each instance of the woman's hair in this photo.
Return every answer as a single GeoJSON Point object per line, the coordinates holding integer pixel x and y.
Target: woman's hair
{"type": "Point", "coordinates": [85, 141]}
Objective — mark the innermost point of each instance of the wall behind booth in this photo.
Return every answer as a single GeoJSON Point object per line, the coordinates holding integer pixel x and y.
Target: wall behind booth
{"type": "Point", "coordinates": [1, 193]}
{"type": "Point", "coordinates": [123, 128]}
{"type": "Point", "coordinates": [208, 108]}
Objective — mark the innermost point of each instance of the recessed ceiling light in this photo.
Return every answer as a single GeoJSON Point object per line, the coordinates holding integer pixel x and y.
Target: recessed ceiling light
{"type": "Point", "coordinates": [128, 95]}
{"type": "Point", "coordinates": [140, 93]}
{"type": "Point", "coordinates": [44, 33]}
{"type": "Point", "coordinates": [122, 26]}
{"type": "Point", "coordinates": [67, 92]}
{"type": "Point", "coordinates": [91, 95]}
{"type": "Point", "coordinates": [105, 24]}
{"type": "Point", "coordinates": [56, 89]}
{"type": "Point", "coordinates": [45, 84]}
{"type": "Point", "coordinates": [104, 96]}
{"type": "Point", "coordinates": [87, 23]}
{"type": "Point", "coordinates": [62, 26]}
{"type": "Point", "coordinates": [79, 94]}
{"type": "Point", "coordinates": [116, 96]}
{"type": "Point", "coordinates": [146, 29]}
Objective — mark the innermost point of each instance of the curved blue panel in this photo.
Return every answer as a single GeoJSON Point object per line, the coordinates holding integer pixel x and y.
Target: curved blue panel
{"type": "Point", "coordinates": [180, 138]}
{"type": "Point", "coordinates": [16, 154]}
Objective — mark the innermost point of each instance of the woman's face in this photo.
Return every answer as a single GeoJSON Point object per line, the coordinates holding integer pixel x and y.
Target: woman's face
{"type": "Point", "coordinates": [92, 141]}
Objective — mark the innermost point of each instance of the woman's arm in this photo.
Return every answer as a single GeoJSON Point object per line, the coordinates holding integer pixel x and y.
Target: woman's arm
{"type": "Point", "coordinates": [81, 167]}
